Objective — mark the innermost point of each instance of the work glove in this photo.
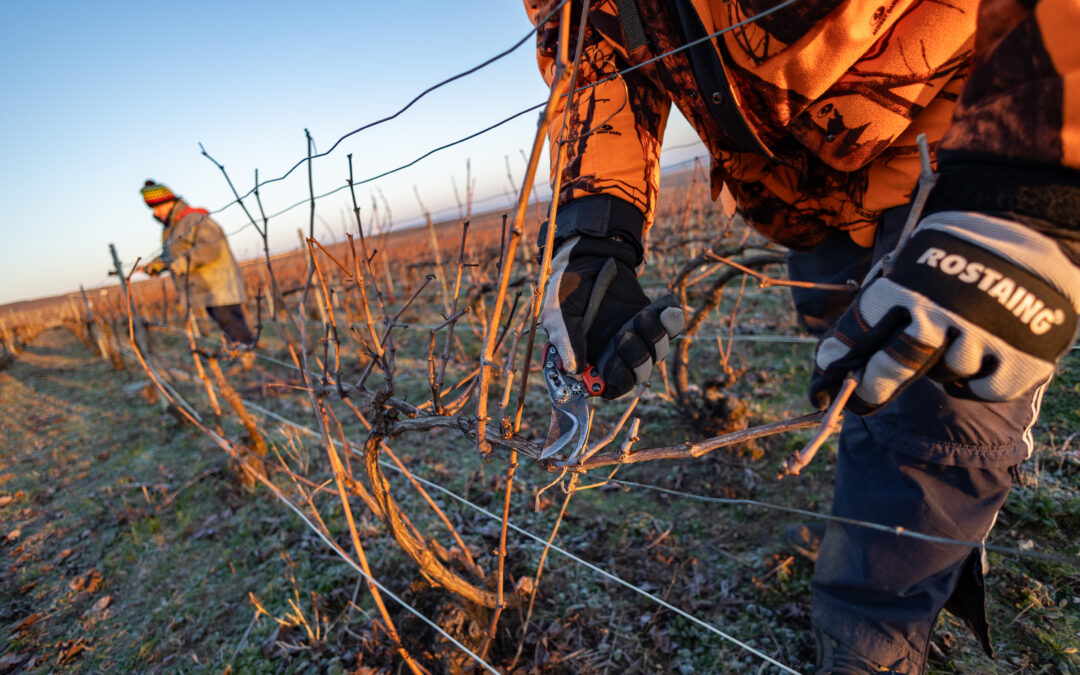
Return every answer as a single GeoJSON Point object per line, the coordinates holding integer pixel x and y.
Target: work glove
{"type": "Point", "coordinates": [981, 304]}
{"type": "Point", "coordinates": [596, 312]}
{"type": "Point", "coordinates": [154, 267]}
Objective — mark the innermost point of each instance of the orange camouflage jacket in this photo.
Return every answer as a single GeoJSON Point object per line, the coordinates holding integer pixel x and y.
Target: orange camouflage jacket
{"type": "Point", "coordinates": [810, 113]}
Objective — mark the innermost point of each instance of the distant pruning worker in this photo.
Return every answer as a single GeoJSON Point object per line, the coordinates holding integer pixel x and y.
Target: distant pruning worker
{"type": "Point", "coordinates": [196, 252]}
{"type": "Point", "coordinates": [810, 114]}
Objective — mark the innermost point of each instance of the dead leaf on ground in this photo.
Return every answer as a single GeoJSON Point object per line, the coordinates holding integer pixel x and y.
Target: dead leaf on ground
{"type": "Point", "coordinates": [26, 624]}
{"type": "Point", "coordinates": [71, 651]}
{"type": "Point", "coordinates": [14, 534]}
{"type": "Point", "coordinates": [94, 581]}
{"type": "Point", "coordinates": [99, 606]}
{"type": "Point", "coordinates": [90, 582]}
{"type": "Point", "coordinates": [524, 586]}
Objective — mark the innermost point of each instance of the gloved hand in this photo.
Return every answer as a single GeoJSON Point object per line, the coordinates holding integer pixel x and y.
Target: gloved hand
{"type": "Point", "coordinates": [595, 311]}
{"type": "Point", "coordinates": [984, 305]}
{"type": "Point", "coordinates": [154, 267]}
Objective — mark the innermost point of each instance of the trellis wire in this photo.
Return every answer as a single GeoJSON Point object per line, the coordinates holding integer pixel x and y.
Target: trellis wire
{"type": "Point", "coordinates": [311, 526]}
{"type": "Point", "coordinates": [718, 500]}
{"type": "Point", "coordinates": [299, 163]}
{"type": "Point", "coordinates": [388, 118]}
{"type": "Point", "coordinates": [896, 530]}
{"type": "Point", "coordinates": [609, 575]}
{"type": "Point", "coordinates": [741, 338]}
{"type": "Point", "coordinates": [526, 533]}
{"type": "Point", "coordinates": [388, 592]}
{"type": "Point", "coordinates": [489, 61]}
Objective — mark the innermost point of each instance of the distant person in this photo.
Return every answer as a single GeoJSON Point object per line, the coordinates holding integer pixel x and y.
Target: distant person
{"type": "Point", "coordinates": [195, 250]}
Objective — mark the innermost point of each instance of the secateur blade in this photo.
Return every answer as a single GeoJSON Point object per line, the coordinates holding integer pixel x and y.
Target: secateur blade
{"type": "Point", "coordinates": [569, 409]}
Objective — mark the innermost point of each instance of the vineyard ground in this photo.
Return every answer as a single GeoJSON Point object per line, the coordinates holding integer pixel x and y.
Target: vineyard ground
{"type": "Point", "coordinates": [129, 545]}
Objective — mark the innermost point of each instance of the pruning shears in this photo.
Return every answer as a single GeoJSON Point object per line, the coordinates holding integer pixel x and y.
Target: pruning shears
{"type": "Point", "coordinates": [569, 407]}
{"type": "Point", "coordinates": [569, 394]}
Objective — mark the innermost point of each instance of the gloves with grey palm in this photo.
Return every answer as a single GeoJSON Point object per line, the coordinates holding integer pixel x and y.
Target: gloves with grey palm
{"type": "Point", "coordinates": [595, 311]}
{"type": "Point", "coordinates": [981, 304]}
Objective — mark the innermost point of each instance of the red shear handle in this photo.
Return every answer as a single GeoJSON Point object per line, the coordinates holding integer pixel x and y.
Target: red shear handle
{"type": "Point", "coordinates": [594, 384]}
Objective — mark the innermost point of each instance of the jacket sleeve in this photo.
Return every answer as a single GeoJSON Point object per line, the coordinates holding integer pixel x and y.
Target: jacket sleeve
{"type": "Point", "coordinates": [198, 242]}
{"type": "Point", "coordinates": [614, 129]}
{"type": "Point", "coordinates": [1014, 143]}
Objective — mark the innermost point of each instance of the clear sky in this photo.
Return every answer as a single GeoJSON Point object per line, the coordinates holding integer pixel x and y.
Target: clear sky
{"type": "Point", "coordinates": [97, 97]}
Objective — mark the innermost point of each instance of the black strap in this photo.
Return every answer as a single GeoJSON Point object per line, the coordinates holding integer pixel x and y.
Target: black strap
{"type": "Point", "coordinates": [712, 80]}
{"type": "Point", "coordinates": [633, 31]}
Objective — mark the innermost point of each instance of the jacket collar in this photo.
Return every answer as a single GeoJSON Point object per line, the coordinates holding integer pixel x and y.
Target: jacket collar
{"type": "Point", "coordinates": [174, 214]}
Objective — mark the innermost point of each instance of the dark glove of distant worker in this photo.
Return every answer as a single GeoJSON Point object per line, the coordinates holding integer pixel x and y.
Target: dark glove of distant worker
{"type": "Point", "coordinates": [981, 304]}
{"type": "Point", "coordinates": [154, 267]}
{"type": "Point", "coordinates": [596, 312]}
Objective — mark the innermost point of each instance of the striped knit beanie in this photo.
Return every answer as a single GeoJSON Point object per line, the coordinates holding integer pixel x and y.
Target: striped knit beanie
{"type": "Point", "coordinates": [154, 193]}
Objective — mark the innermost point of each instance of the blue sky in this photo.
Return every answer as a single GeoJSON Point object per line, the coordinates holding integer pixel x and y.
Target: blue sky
{"type": "Point", "coordinates": [100, 96]}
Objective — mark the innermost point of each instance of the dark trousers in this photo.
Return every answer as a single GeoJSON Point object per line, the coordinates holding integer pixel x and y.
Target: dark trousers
{"type": "Point", "coordinates": [233, 323]}
{"type": "Point", "coordinates": [928, 462]}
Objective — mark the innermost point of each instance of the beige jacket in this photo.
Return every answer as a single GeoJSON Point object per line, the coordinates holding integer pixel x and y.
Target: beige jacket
{"type": "Point", "coordinates": [198, 255]}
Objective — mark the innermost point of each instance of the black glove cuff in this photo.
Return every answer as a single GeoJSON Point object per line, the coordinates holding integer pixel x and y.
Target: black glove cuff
{"type": "Point", "coordinates": [601, 217]}
{"type": "Point", "coordinates": [595, 247]}
{"type": "Point", "coordinates": [971, 182]}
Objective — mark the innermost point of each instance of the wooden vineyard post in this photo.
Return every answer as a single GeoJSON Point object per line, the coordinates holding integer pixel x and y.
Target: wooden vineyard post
{"type": "Point", "coordinates": [88, 320]}
{"type": "Point", "coordinates": [164, 304]}
{"type": "Point", "coordinates": [118, 269]}
{"type": "Point", "coordinates": [9, 344]}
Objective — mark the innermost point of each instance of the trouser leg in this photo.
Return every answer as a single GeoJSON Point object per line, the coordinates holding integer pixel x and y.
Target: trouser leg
{"type": "Point", "coordinates": [879, 594]}
{"type": "Point", "coordinates": [928, 462]}
{"type": "Point", "coordinates": [232, 322]}
{"type": "Point", "coordinates": [837, 260]}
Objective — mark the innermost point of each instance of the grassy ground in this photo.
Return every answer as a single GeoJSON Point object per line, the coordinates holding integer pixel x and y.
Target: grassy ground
{"type": "Point", "coordinates": [129, 545]}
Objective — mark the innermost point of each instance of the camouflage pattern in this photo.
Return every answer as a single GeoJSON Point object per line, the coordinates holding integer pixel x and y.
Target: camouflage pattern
{"type": "Point", "coordinates": [1023, 99]}
{"type": "Point", "coordinates": [836, 92]}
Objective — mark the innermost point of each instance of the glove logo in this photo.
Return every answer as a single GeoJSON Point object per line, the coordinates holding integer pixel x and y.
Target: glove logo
{"type": "Point", "coordinates": [1023, 304]}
